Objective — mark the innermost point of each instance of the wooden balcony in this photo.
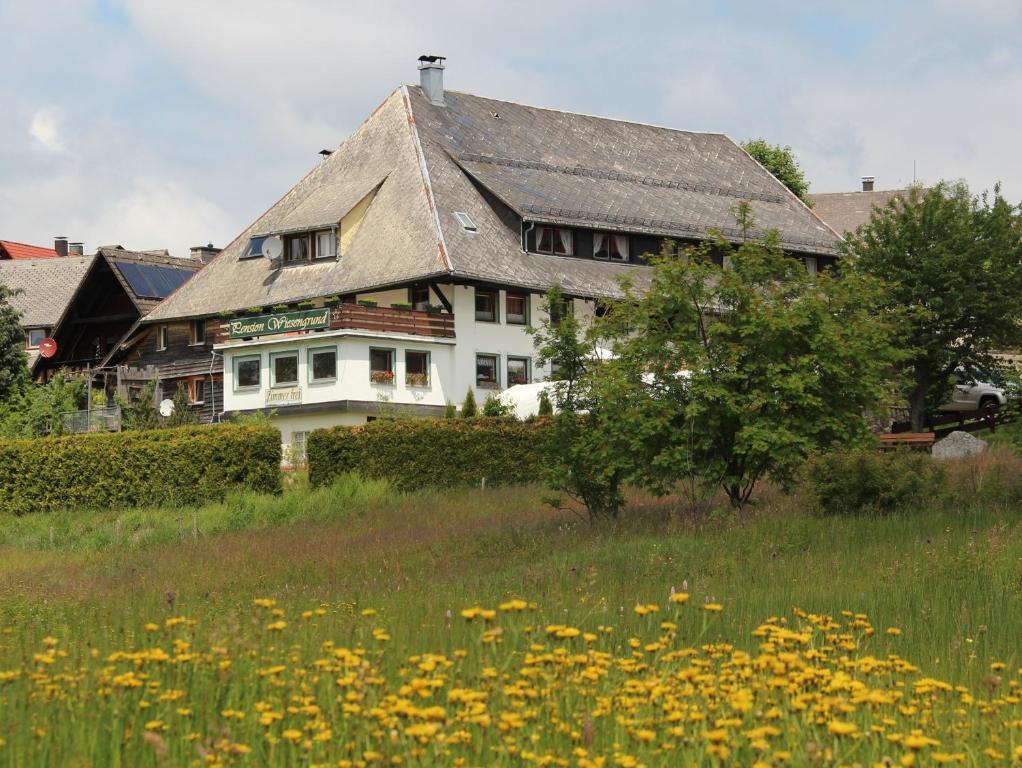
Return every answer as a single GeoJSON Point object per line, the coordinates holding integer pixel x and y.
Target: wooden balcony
{"type": "Point", "coordinates": [379, 319]}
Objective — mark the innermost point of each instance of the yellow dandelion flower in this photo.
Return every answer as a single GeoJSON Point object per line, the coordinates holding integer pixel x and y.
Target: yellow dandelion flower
{"type": "Point", "coordinates": [713, 607]}
{"type": "Point", "coordinates": [679, 598]}
{"type": "Point", "coordinates": [842, 728]}
{"type": "Point", "coordinates": [893, 631]}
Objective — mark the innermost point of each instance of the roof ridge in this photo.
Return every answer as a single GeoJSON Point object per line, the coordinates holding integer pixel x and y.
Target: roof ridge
{"type": "Point", "coordinates": [420, 156]}
{"type": "Point", "coordinates": [581, 114]}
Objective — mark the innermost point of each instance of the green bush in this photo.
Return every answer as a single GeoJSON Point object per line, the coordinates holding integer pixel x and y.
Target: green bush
{"type": "Point", "coordinates": [187, 465]}
{"type": "Point", "coordinates": [416, 454]}
{"type": "Point", "coordinates": [856, 482]}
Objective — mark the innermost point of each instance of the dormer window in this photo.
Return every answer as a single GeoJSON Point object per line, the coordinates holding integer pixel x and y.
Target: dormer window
{"type": "Point", "coordinates": [554, 241]}
{"type": "Point", "coordinates": [310, 245]}
{"type": "Point", "coordinates": [610, 247]}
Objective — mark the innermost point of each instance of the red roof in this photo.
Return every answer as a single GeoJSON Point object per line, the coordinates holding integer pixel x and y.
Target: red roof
{"type": "Point", "coordinates": [12, 250]}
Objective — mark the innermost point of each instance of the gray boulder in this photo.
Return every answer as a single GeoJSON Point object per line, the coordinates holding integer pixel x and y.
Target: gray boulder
{"type": "Point", "coordinates": [958, 445]}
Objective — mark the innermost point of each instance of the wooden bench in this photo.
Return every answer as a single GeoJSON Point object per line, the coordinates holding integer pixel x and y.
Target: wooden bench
{"type": "Point", "coordinates": [916, 441]}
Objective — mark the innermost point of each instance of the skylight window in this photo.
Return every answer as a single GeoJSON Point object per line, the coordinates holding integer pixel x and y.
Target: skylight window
{"type": "Point", "coordinates": [255, 248]}
{"type": "Point", "coordinates": [466, 223]}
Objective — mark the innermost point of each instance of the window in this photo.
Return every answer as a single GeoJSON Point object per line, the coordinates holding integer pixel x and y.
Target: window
{"type": "Point", "coordinates": [419, 296]}
{"type": "Point", "coordinates": [323, 364]}
{"type": "Point", "coordinates": [486, 306]}
{"type": "Point", "coordinates": [811, 265]}
{"type": "Point", "coordinates": [325, 245]}
{"type": "Point", "coordinates": [381, 365]}
{"type": "Point", "coordinates": [196, 390]}
{"type": "Point", "coordinates": [553, 240]}
{"type": "Point", "coordinates": [517, 309]}
{"type": "Point", "coordinates": [466, 222]}
{"type": "Point", "coordinates": [284, 369]}
{"type": "Point", "coordinates": [417, 369]}
{"type": "Point", "coordinates": [610, 247]}
{"type": "Point", "coordinates": [35, 337]}
{"type": "Point", "coordinates": [161, 338]}
{"type": "Point", "coordinates": [198, 332]}
{"type": "Point", "coordinates": [296, 248]}
{"type": "Point", "coordinates": [486, 371]}
{"type": "Point", "coordinates": [517, 370]}
{"type": "Point", "coordinates": [247, 372]}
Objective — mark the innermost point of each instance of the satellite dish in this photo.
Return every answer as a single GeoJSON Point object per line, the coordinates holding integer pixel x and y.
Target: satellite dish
{"type": "Point", "coordinates": [47, 347]}
{"type": "Point", "coordinates": [166, 408]}
{"type": "Point", "coordinates": [273, 247]}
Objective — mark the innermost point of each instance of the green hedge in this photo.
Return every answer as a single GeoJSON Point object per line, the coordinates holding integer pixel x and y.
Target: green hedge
{"type": "Point", "coordinates": [186, 465]}
{"type": "Point", "coordinates": [416, 454]}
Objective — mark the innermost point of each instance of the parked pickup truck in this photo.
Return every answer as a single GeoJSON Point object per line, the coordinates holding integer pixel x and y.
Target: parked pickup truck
{"type": "Point", "coordinates": [972, 392]}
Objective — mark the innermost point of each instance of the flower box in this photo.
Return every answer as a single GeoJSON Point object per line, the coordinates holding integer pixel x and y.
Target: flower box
{"type": "Point", "coordinates": [382, 377]}
{"type": "Point", "coordinates": [417, 379]}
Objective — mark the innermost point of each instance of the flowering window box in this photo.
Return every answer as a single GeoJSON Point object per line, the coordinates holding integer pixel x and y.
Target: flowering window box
{"type": "Point", "coordinates": [382, 377]}
{"type": "Point", "coordinates": [417, 379]}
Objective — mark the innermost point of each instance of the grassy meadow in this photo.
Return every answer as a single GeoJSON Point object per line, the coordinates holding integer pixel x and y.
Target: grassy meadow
{"type": "Point", "coordinates": [355, 625]}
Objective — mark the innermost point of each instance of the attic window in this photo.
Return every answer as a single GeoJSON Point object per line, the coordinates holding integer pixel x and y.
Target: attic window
{"type": "Point", "coordinates": [466, 223]}
{"type": "Point", "coordinates": [255, 248]}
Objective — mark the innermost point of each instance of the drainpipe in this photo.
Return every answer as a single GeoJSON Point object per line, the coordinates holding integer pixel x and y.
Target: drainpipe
{"type": "Point", "coordinates": [525, 235]}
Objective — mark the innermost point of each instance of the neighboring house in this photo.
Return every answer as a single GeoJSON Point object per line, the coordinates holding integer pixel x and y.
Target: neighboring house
{"type": "Point", "coordinates": [44, 289]}
{"type": "Point", "coordinates": [10, 250]}
{"type": "Point", "coordinates": [845, 212]}
{"type": "Point", "coordinates": [119, 288]}
{"type": "Point", "coordinates": [454, 214]}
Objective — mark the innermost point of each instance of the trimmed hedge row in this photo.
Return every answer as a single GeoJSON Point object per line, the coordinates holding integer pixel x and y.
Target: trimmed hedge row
{"type": "Point", "coordinates": [186, 465]}
{"type": "Point", "coordinates": [415, 454]}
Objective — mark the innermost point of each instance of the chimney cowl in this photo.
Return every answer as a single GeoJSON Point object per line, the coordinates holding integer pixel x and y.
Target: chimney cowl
{"type": "Point", "coordinates": [60, 245]}
{"type": "Point", "coordinates": [76, 249]}
{"type": "Point", "coordinates": [431, 78]}
{"type": "Point", "coordinates": [867, 183]}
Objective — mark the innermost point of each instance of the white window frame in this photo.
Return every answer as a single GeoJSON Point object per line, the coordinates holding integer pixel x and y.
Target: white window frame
{"type": "Point", "coordinates": [161, 338]}
{"type": "Point", "coordinates": [274, 357]}
{"type": "Point", "coordinates": [507, 311]}
{"type": "Point", "coordinates": [312, 366]}
{"type": "Point", "coordinates": [812, 265]}
{"type": "Point", "coordinates": [28, 337]}
{"type": "Point", "coordinates": [555, 233]}
{"type": "Point", "coordinates": [236, 364]}
{"type": "Point", "coordinates": [325, 240]}
{"type": "Point", "coordinates": [496, 305]}
{"type": "Point", "coordinates": [196, 341]}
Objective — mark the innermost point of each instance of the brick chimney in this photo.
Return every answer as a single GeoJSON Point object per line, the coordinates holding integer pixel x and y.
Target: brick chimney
{"type": "Point", "coordinates": [60, 246]}
{"type": "Point", "coordinates": [867, 183]}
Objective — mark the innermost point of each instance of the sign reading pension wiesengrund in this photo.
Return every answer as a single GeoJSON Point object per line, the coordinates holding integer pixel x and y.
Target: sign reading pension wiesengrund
{"type": "Point", "coordinates": [284, 322]}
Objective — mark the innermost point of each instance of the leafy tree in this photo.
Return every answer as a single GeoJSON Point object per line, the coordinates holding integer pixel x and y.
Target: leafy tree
{"type": "Point", "coordinates": [13, 361]}
{"type": "Point", "coordinates": [782, 163]}
{"type": "Point", "coordinates": [183, 413]}
{"type": "Point", "coordinates": [546, 408]}
{"type": "Point", "coordinates": [730, 375]}
{"type": "Point", "coordinates": [585, 463]}
{"type": "Point", "coordinates": [469, 409]}
{"type": "Point", "coordinates": [952, 263]}
{"type": "Point", "coordinates": [141, 413]}
{"type": "Point", "coordinates": [34, 411]}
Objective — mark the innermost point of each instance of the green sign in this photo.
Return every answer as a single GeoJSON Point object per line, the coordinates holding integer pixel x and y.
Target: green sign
{"type": "Point", "coordinates": [285, 322]}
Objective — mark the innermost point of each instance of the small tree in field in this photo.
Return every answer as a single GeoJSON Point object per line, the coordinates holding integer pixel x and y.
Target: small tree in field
{"type": "Point", "coordinates": [952, 264]}
{"type": "Point", "coordinates": [584, 464]}
{"type": "Point", "coordinates": [730, 375]}
{"type": "Point", "coordinates": [469, 409]}
{"type": "Point", "coordinates": [494, 408]}
{"type": "Point", "coordinates": [544, 407]}
{"type": "Point", "coordinates": [450, 411]}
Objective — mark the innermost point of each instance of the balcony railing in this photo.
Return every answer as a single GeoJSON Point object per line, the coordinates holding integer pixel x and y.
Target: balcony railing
{"type": "Point", "coordinates": [380, 319]}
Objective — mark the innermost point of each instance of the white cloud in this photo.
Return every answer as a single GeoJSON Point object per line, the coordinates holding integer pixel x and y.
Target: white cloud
{"type": "Point", "coordinates": [44, 128]}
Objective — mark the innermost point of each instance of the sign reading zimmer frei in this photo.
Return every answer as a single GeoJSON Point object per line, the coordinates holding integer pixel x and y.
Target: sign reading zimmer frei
{"type": "Point", "coordinates": [283, 322]}
{"type": "Point", "coordinates": [289, 396]}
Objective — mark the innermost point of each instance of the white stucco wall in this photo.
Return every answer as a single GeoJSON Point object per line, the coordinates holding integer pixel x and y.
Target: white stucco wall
{"type": "Point", "coordinates": [452, 363]}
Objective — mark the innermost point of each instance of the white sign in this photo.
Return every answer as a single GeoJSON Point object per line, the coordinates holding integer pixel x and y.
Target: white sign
{"type": "Point", "coordinates": [289, 396]}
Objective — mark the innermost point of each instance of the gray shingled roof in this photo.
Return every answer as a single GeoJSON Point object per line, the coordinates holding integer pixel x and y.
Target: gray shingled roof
{"type": "Point", "coordinates": [496, 161]}
{"type": "Point", "coordinates": [847, 211]}
{"type": "Point", "coordinates": [47, 286]}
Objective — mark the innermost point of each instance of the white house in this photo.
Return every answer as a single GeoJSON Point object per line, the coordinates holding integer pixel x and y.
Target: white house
{"type": "Point", "coordinates": [455, 214]}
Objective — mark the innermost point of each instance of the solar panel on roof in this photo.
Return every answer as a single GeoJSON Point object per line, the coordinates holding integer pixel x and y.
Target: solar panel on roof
{"type": "Point", "coordinates": [148, 281]}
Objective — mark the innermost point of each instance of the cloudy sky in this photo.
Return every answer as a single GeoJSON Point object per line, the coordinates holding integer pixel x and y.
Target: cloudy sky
{"type": "Point", "coordinates": [169, 124]}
